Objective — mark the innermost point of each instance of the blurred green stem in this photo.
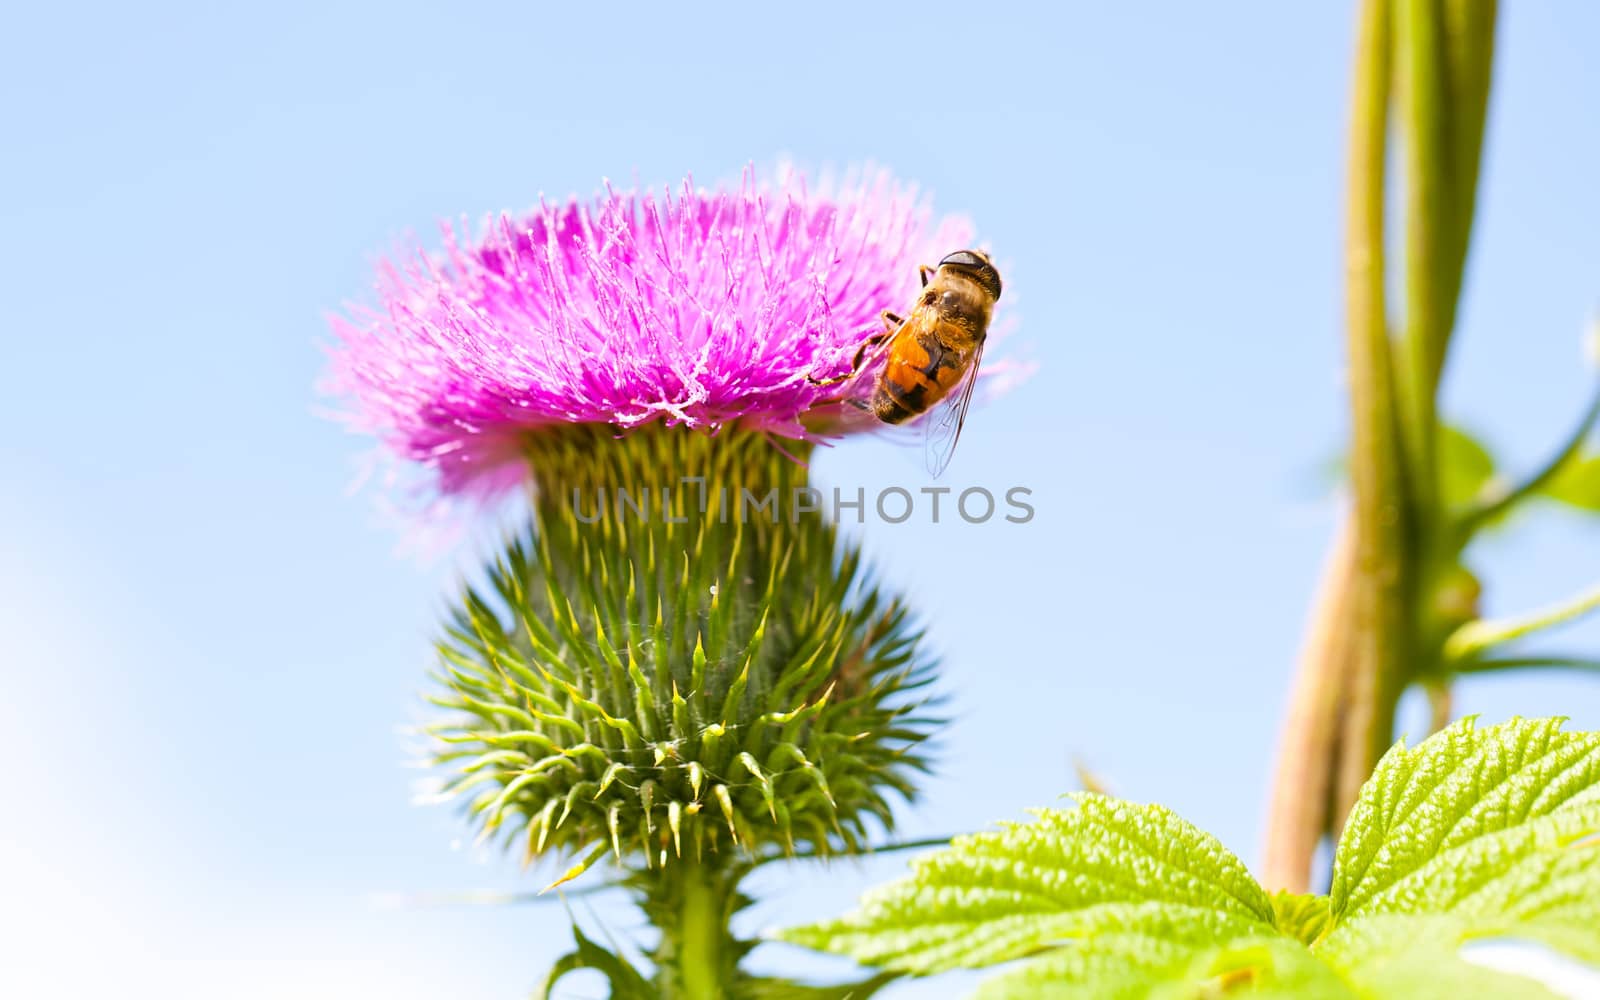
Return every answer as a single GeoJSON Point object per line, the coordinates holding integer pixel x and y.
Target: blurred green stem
{"type": "Point", "coordinates": [1493, 664]}
{"type": "Point", "coordinates": [889, 848]}
{"type": "Point", "coordinates": [1357, 611]}
{"type": "Point", "coordinates": [1473, 638]}
{"type": "Point", "coordinates": [1381, 603]}
{"type": "Point", "coordinates": [1302, 782]}
{"type": "Point", "coordinates": [1376, 628]}
{"type": "Point", "coordinates": [1569, 450]}
{"type": "Point", "coordinates": [1441, 704]}
{"type": "Point", "coordinates": [1428, 293]}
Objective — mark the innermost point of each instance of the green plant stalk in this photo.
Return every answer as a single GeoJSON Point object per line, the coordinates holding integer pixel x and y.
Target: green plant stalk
{"type": "Point", "coordinates": [1422, 102]}
{"type": "Point", "coordinates": [692, 905]}
{"type": "Point", "coordinates": [1337, 689]}
{"type": "Point", "coordinates": [1441, 704]}
{"type": "Point", "coordinates": [1470, 640]}
{"type": "Point", "coordinates": [1338, 704]}
{"type": "Point", "coordinates": [1469, 45]}
{"type": "Point", "coordinates": [1432, 59]}
{"type": "Point", "coordinates": [1443, 52]}
{"type": "Point", "coordinates": [1532, 662]}
{"type": "Point", "coordinates": [1495, 506]}
{"type": "Point", "coordinates": [1302, 779]}
{"type": "Point", "coordinates": [1382, 598]}
{"type": "Point", "coordinates": [701, 931]}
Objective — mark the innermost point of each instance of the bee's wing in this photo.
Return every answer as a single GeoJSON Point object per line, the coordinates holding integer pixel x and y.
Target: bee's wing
{"type": "Point", "coordinates": [944, 425]}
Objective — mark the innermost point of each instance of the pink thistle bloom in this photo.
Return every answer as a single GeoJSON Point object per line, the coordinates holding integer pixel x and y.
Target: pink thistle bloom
{"type": "Point", "coordinates": [705, 310]}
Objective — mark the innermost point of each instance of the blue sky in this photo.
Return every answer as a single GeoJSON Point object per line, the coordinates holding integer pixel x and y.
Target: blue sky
{"type": "Point", "coordinates": [213, 648]}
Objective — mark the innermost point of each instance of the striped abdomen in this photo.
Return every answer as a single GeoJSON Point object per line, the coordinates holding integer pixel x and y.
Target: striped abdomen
{"type": "Point", "coordinates": [919, 372]}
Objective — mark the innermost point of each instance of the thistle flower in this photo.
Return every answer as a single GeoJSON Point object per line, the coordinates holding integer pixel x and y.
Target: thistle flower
{"type": "Point", "coordinates": [704, 310]}
{"type": "Point", "coordinates": [662, 666]}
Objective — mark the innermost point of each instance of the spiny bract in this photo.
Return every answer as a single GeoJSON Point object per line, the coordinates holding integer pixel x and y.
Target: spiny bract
{"type": "Point", "coordinates": [682, 678]}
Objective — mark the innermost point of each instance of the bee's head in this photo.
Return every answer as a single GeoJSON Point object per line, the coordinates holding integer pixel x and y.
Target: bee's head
{"type": "Point", "coordinates": [976, 265]}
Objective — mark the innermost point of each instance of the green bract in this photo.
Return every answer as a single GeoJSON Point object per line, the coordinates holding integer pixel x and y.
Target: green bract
{"type": "Point", "coordinates": [672, 668]}
{"type": "Point", "coordinates": [1476, 833]}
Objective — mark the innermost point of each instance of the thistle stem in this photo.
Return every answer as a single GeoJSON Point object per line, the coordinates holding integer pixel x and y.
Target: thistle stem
{"type": "Point", "coordinates": [701, 933]}
{"type": "Point", "coordinates": [692, 903]}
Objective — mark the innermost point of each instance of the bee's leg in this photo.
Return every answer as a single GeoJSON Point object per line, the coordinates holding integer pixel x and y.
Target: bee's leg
{"type": "Point", "coordinates": [825, 382]}
{"type": "Point", "coordinates": [874, 341]}
{"type": "Point", "coordinates": [926, 272]}
{"type": "Point", "coordinates": [861, 352]}
{"type": "Point", "coordinates": [855, 366]}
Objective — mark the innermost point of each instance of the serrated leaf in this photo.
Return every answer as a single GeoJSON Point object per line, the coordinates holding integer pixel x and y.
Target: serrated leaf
{"type": "Point", "coordinates": [1489, 833]}
{"type": "Point", "coordinates": [1428, 820]}
{"type": "Point", "coordinates": [1140, 967]}
{"type": "Point", "coordinates": [1477, 833]}
{"type": "Point", "coordinates": [1102, 871]}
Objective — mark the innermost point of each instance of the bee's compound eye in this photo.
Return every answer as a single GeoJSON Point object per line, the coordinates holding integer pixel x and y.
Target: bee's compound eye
{"type": "Point", "coordinates": [964, 258]}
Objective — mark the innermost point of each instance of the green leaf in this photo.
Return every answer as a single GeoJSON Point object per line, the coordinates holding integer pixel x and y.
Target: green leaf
{"type": "Point", "coordinates": [1577, 484]}
{"type": "Point", "coordinates": [1301, 915]}
{"type": "Point", "coordinates": [1433, 824]}
{"type": "Point", "coordinates": [1151, 892]}
{"type": "Point", "coordinates": [1475, 834]}
{"type": "Point", "coordinates": [627, 983]}
{"type": "Point", "coordinates": [1466, 467]}
{"type": "Point", "coordinates": [1134, 967]}
{"type": "Point", "coordinates": [1402, 957]}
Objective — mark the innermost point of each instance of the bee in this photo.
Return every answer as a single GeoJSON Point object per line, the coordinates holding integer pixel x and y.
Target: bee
{"type": "Point", "coordinates": [932, 356]}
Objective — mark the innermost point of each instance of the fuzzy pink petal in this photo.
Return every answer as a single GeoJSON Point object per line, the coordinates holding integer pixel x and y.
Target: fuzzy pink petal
{"type": "Point", "coordinates": [696, 308]}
